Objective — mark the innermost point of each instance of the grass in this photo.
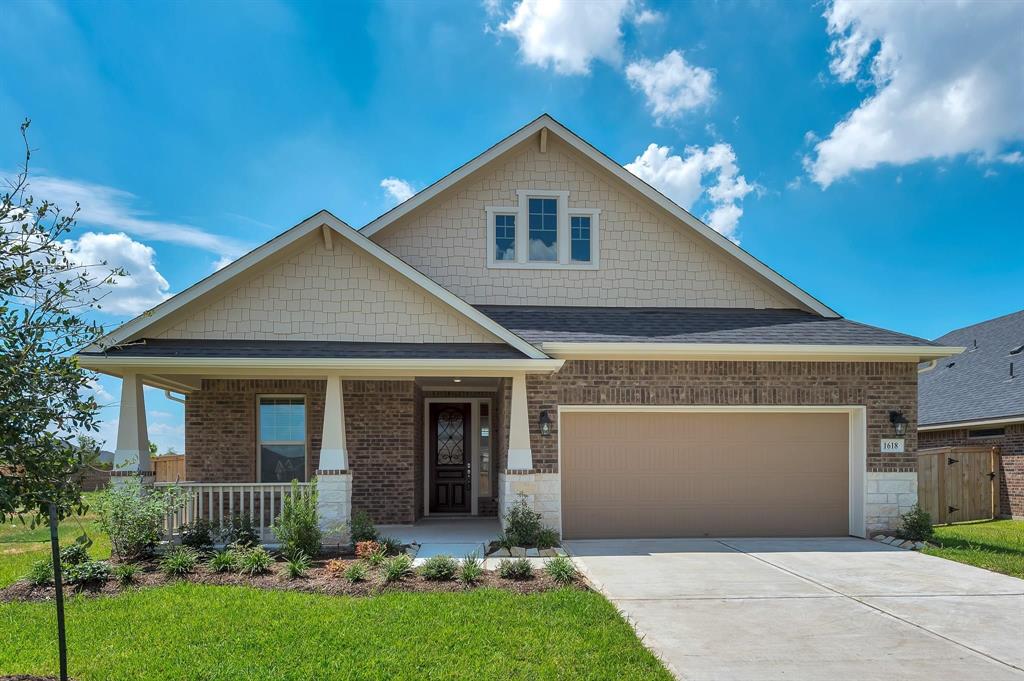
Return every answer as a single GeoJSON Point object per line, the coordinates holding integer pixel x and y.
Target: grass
{"type": "Point", "coordinates": [214, 632]}
{"type": "Point", "coordinates": [20, 546]}
{"type": "Point", "coordinates": [996, 545]}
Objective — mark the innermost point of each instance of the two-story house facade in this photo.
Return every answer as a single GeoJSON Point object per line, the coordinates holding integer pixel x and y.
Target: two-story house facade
{"type": "Point", "coordinates": [539, 322]}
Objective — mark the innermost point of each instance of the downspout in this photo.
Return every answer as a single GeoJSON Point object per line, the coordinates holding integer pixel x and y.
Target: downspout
{"type": "Point", "coordinates": [928, 367]}
{"type": "Point", "coordinates": [172, 398]}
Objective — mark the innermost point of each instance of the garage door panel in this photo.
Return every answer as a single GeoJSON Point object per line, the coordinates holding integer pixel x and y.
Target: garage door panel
{"type": "Point", "coordinates": [684, 474]}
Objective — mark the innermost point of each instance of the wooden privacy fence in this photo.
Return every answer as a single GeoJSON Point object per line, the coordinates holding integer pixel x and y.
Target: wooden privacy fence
{"type": "Point", "coordinates": [955, 484]}
{"type": "Point", "coordinates": [169, 468]}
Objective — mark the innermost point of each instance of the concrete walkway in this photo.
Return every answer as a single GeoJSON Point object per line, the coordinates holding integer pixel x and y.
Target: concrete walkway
{"type": "Point", "coordinates": [799, 609]}
{"type": "Point", "coordinates": [457, 537]}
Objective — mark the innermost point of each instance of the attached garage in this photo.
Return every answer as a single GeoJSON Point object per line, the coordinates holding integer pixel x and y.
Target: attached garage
{"type": "Point", "coordinates": [700, 473]}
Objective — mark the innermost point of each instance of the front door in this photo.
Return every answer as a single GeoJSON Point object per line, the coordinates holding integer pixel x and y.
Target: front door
{"type": "Point", "coordinates": [450, 457]}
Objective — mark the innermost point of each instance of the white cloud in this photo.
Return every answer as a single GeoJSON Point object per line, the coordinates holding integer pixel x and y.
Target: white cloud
{"type": "Point", "coordinates": [398, 190]}
{"type": "Point", "coordinates": [567, 35]}
{"type": "Point", "coordinates": [672, 86]}
{"type": "Point", "coordinates": [222, 262]}
{"type": "Point", "coordinates": [141, 289]}
{"type": "Point", "coordinates": [647, 16]}
{"type": "Point", "coordinates": [710, 174]}
{"type": "Point", "coordinates": [944, 79]}
{"type": "Point", "coordinates": [107, 207]}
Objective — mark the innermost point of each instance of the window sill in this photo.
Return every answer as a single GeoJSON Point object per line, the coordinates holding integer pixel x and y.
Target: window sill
{"type": "Point", "coordinates": [542, 266]}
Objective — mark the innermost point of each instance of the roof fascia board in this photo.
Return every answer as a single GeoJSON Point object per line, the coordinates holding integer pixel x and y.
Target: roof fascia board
{"type": "Point", "coordinates": [764, 351]}
{"type": "Point", "coordinates": [588, 150]}
{"type": "Point", "coordinates": [953, 425]}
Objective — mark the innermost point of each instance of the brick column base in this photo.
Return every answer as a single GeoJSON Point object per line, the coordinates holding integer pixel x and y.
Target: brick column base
{"type": "Point", "coordinates": [334, 499]}
{"type": "Point", "coordinates": [888, 496]}
{"type": "Point", "coordinates": [543, 493]}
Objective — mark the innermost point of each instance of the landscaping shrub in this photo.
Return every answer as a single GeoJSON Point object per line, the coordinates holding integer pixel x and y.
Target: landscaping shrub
{"type": "Point", "coordinates": [504, 541]}
{"type": "Point", "coordinates": [224, 561]}
{"type": "Point", "coordinates": [298, 565]}
{"type": "Point", "coordinates": [547, 538]}
{"type": "Point", "coordinates": [439, 568]}
{"type": "Point", "coordinates": [396, 568]}
{"type": "Point", "coordinates": [377, 558]}
{"type": "Point", "coordinates": [133, 517]}
{"type": "Point", "coordinates": [561, 569]}
{"type": "Point", "coordinates": [523, 525]}
{"type": "Point", "coordinates": [390, 545]}
{"type": "Point", "coordinates": [198, 534]}
{"type": "Point", "coordinates": [179, 561]}
{"type": "Point", "coordinates": [87, 572]}
{"type": "Point", "coordinates": [470, 569]}
{"type": "Point", "coordinates": [518, 568]}
{"type": "Point", "coordinates": [362, 528]}
{"type": "Point", "coordinates": [298, 526]}
{"type": "Point", "coordinates": [916, 525]}
{"type": "Point", "coordinates": [357, 572]}
{"type": "Point", "coordinates": [336, 566]}
{"type": "Point", "coordinates": [41, 573]}
{"type": "Point", "coordinates": [254, 561]}
{"type": "Point", "coordinates": [239, 531]}
{"type": "Point", "coordinates": [125, 573]}
{"type": "Point", "coordinates": [73, 554]}
{"type": "Point", "coordinates": [365, 548]}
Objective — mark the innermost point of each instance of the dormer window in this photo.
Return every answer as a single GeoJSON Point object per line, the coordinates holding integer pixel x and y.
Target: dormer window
{"type": "Point", "coordinates": [542, 232]}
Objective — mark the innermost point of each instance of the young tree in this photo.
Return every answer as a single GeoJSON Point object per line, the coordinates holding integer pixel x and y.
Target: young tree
{"type": "Point", "coordinates": [45, 297]}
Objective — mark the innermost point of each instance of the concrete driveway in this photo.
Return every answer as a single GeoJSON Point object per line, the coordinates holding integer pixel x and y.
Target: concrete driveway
{"type": "Point", "coordinates": [816, 609]}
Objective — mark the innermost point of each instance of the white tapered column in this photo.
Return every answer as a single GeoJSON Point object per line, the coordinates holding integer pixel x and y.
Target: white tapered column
{"type": "Point", "coordinates": [333, 455]}
{"type": "Point", "coordinates": [131, 456]}
{"type": "Point", "coordinates": [520, 456]}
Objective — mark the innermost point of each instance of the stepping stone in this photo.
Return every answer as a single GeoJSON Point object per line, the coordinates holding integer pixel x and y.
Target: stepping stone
{"type": "Point", "coordinates": [518, 552]}
{"type": "Point", "coordinates": [532, 553]}
{"type": "Point", "coordinates": [548, 553]}
{"type": "Point", "coordinates": [500, 553]}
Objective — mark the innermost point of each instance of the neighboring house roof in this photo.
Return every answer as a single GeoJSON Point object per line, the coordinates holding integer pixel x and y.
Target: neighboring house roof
{"type": "Point", "coordinates": [159, 347]}
{"type": "Point", "coordinates": [582, 146]}
{"type": "Point", "coordinates": [976, 385]}
{"type": "Point", "coordinates": [544, 324]}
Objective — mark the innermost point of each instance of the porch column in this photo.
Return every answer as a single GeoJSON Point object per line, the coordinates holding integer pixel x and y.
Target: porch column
{"type": "Point", "coordinates": [131, 456]}
{"type": "Point", "coordinates": [520, 456]}
{"type": "Point", "coordinates": [333, 456]}
{"type": "Point", "coordinates": [334, 481]}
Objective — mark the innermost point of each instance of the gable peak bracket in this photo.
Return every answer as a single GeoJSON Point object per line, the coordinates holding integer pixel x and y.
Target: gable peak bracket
{"type": "Point", "coordinates": [543, 140]}
{"type": "Point", "coordinates": [326, 231]}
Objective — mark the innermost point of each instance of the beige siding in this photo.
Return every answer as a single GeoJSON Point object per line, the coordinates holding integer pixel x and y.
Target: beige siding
{"type": "Point", "coordinates": [318, 294]}
{"type": "Point", "coordinates": [646, 257]}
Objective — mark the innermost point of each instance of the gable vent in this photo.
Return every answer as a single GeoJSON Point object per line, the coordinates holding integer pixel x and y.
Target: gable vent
{"type": "Point", "coordinates": [951, 365]}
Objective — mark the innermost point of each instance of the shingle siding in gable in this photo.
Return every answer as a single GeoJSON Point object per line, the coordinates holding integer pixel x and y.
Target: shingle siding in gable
{"type": "Point", "coordinates": [646, 257]}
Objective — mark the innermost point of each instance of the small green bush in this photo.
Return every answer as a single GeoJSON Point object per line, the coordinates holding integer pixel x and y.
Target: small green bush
{"type": "Point", "coordinates": [125, 573]}
{"type": "Point", "coordinates": [547, 538]}
{"type": "Point", "coordinates": [518, 568]}
{"type": "Point", "coordinates": [362, 528]}
{"type": "Point", "coordinates": [523, 526]}
{"type": "Point", "coordinates": [561, 570]}
{"type": "Point", "coordinates": [224, 561]}
{"type": "Point", "coordinates": [254, 561]}
{"type": "Point", "coordinates": [133, 517]}
{"type": "Point", "coordinates": [916, 525]}
{"type": "Point", "coordinates": [239, 531]}
{"type": "Point", "coordinates": [378, 557]}
{"type": "Point", "coordinates": [396, 568]}
{"type": "Point", "coordinates": [41, 573]}
{"type": "Point", "coordinates": [73, 554]}
{"type": "Point", "coordinates": [504, 541]}
{"type": "Point", "coordinates": [179, 561]}
{"type": "Point", "coordinates": [391, 546]}
{"type": "Point", "coordinates": [88, 572]}
{"type": "Point", "coordinates": [357, 572]}
{"type": "Point", "coordinates": [470, 569]}
{"type": "Point", "coordinates": [439, 568]}
{"type": "Point", "coordinates": [297, 566]}
{"type": "Point", "coordinates": [198, 534]}
{"type": "Point", "coordinates": [298, 526]}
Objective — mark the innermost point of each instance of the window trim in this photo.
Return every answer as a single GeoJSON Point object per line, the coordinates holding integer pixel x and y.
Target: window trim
{"type": "Point", "coordinates": [259, 440]}
{"type": "Point", "coordinates": [522, 213]}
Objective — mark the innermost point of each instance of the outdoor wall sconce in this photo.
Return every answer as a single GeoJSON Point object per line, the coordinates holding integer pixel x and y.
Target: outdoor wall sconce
{"type": "Point", "coordinates": [899, 422]}
{"type": "Point", "coordinates": [545, 423]}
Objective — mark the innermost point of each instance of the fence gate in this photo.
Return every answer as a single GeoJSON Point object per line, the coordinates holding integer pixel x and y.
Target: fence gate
{"type": "Point", "coordinates": [955, 484]}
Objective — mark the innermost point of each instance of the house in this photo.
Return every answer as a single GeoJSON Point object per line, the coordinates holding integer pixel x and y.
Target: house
{"type": "Point", "coordinates": [977, 398]}
{"type": "Point", "coordinates": [537, 322]}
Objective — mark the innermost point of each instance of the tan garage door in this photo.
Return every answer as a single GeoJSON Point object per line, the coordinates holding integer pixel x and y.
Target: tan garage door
{"type": "Point", "coordinates": [689, 474]}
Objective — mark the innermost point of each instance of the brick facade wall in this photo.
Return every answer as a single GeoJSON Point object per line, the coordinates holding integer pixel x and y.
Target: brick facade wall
{"type": "Point", "coordinates": [1011, 461]}
{"type": "Point", "coordinates": [880, 386]}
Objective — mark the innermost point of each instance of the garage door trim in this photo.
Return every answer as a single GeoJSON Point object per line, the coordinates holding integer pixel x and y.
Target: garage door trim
{"type": "Point", "coordinates": [857, 433]}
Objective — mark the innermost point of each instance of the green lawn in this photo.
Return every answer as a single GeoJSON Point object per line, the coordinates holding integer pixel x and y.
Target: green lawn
{"type": "Point", "coordinates": [996, 545]}
{"type": "Point", "coordinates": [211, 632]}
{"type": "Point", "coordinates": [21, 546]}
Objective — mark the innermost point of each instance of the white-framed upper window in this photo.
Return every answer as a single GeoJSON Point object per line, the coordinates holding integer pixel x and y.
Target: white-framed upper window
{"type": "Point", "coordinates": [542, 232]}
{"type": "Point", "coordinates": [281, 450]}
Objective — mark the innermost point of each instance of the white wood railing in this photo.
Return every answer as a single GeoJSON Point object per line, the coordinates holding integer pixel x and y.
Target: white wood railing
{"type": "Point", "coordinates": [220, 502]}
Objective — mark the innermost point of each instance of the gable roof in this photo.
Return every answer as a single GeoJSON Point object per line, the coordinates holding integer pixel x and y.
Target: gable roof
{"type": "Point", "coordinates": [137, 327]}
{"type": "Point", "coordinates": [545, 121]}
{"type": "Point", "coordinates": [976, 386]}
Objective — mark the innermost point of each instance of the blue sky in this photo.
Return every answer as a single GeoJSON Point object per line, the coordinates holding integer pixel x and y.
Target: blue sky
{"type": "Point", "coordinates": [843, 144]}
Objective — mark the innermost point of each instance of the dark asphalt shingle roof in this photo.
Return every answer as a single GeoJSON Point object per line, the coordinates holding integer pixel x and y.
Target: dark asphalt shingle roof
{"type": "Point", "coordinates": [314, 349]}
{"type": "Point", "coordinates": [978, 385]}
{"type": "Point", "coordinates": [539, 324]}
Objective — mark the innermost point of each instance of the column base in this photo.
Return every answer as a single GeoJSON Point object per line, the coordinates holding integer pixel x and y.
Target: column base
{"type": "Point", "coordinates": [334, 501]}
{"type": "Point", "coordinates": [887, 497]}
{"type": "Point", "coordinates": [543, 493]}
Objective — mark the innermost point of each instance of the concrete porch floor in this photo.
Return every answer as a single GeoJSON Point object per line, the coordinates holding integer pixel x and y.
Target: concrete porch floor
{"type": "Point", "coordinates": [456, 537]}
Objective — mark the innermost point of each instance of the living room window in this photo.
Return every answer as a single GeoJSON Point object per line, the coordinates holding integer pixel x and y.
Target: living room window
{"type": "Point", "coordinates": [542, 232]}
{"type": "Point", "coordinates": [281, 450]}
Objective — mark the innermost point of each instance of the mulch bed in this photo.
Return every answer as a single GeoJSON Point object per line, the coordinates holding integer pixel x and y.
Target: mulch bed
{"type": "Point", "coordinates": [318, 580]}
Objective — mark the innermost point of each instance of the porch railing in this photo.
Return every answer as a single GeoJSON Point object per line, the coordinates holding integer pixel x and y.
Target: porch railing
{"type": "Point", "coordinates": [220, 502]}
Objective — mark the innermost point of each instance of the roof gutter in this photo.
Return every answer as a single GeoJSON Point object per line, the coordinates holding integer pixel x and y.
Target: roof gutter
{"type": "Point", "coordinates": [748, 351]}
{"type": "Point", "coordinates": [1003, 421]}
